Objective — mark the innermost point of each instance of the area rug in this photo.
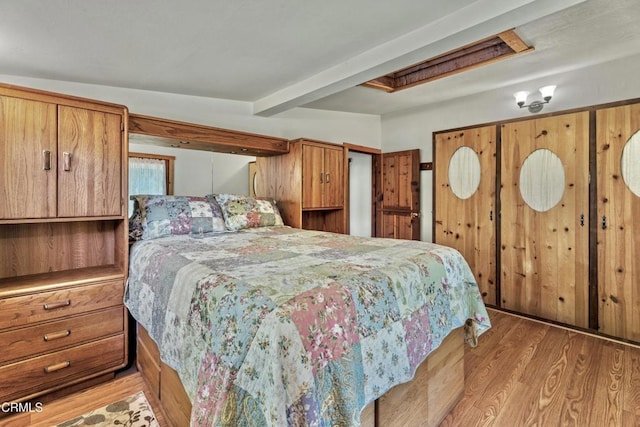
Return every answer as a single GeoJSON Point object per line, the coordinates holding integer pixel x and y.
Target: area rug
{"type": "Point", "coordinates": [134, 411]}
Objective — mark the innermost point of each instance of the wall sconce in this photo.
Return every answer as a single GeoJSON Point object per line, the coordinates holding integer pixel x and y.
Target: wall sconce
{"type": "Point", "coordinates": [535, 106]}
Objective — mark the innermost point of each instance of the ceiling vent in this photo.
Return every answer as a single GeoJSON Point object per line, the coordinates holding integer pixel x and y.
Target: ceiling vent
{"type": "Point", "coordinates": [491, 49]}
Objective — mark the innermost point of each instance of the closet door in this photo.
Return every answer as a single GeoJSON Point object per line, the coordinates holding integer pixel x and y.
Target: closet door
{"type": "Point", "coordinates": [465, 180]}
{"type": "Point", "coordinates": [399, 214]}
{"type": "Point", "coordinates": [545, 211]}
{"type": "Point", "coordinates": [618, 209]}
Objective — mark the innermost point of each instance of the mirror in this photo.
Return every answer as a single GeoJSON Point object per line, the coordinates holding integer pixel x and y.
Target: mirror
{"type": "Point", "coordinates": [630, 163]}
{"type": "Point", "coordinates": [464, 172]}
{"type": "Point", "coordinates": [253, 179]}
{"type": "Point", "coordinates": [542, 180]}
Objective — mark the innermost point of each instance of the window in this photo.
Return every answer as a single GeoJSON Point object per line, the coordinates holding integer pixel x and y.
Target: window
{"type": "Point", "coordinates": [150, 174]}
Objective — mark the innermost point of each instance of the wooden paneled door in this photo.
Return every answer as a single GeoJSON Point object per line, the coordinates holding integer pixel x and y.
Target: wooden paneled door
{"type": "Point", "coordinates": [90, 159]}
{"type": "Point", "coordinates": [28, 148]}
{"type": "Point", "coordinates": [544, 218]}
{"type": "Point", "coordinates": [618, 215]}
{"type": "Point", "coordinates": [465, 213]}
{"type": "Point", "coordinates": [398, 215]}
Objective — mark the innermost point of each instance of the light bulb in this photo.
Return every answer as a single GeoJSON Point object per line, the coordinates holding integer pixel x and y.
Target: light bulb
{"type": "Point", "coordinates": [547, 92]}
{"type": "Point", "coordinates": [521, 97]}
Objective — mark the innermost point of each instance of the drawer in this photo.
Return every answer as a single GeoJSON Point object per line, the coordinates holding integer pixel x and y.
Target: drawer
{"type": "Point", "coordinates": [51, 336]}
{"type": "Point", "coordinates": [26, 309]}
{"type": "Point", "coordinates": [40, 373]}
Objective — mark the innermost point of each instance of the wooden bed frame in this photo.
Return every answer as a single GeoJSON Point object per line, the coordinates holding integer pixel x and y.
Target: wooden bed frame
{"type": "Point", "coordinates": [425, 401]}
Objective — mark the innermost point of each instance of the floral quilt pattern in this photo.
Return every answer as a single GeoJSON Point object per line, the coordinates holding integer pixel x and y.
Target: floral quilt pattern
{"type": "Point", "coordinates": [277, 326]}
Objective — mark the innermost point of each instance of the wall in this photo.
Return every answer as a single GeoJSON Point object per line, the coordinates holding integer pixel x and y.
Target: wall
{"type": "Point", "coordinates": [603, 83]}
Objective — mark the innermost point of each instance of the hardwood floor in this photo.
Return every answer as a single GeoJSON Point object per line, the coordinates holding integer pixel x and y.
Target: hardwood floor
{"type": "Point", "coordinates": [523, 373]}
{"type": "Point", "coordinates": [528, 373]}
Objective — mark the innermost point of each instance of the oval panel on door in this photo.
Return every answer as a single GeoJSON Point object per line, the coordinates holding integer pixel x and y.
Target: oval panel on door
{"type": "Point", "coordinates": [464, 172]}
{"type": "Point", "coordinates": [630, 160]}
{"type": "Point", "coordinates": [542, 180]}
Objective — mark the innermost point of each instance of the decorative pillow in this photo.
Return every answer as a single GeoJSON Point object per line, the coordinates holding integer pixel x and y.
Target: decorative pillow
{"type": "Point", "coordinates": [135, 223]}
{"type": "Point", "coordinates": [247, 212]}
{"type": "Point", "coordinates": [169, 215]}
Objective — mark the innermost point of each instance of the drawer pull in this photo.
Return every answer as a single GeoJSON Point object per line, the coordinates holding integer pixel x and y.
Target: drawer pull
{"type": "Point", "coordinates": [58, 304]}
{"type": "Point", "coordinates": [57, 366]}
{"type": "Point", "coordinates": [57, 335]}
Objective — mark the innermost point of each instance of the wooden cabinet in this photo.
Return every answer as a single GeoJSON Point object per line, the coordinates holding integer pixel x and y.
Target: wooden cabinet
{"type": "Point", "coordinates": [63, 241]}
{"type": "Point", "coordinates": [59, 160]}
{"type": "Point", "coordinates": [322, 176]}
{"type": "Point", "coordinates": [90, 162]}
{"type": "Point", "coordinates": [28, 140]}
{"type": "Point", "coordinates": [308, 183]}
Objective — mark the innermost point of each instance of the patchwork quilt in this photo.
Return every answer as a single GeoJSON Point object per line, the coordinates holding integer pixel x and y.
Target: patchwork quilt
{"type": "Point", "coordinates": [278, 326]}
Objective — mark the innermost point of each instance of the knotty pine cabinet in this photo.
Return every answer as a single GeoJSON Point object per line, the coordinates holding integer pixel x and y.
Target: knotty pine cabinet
{"type": "Point", "coordinates": [546, 211]}
{"type": "Point", "coordinates": [308, 184]}
{"type": "Point", "coordinates": [63, 242]}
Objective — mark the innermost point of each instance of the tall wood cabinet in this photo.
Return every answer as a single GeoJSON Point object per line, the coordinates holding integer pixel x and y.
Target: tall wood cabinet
{"type": "Point", "coordinates": [63, 241]}
{"type": "Point", "coordinates": [563, 229]}
{"type": "Point", "coordinates": [308, 183]}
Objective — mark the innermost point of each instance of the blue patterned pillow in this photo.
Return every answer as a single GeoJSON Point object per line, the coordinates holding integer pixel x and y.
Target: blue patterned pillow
{"type": "Point", "coordinates": [247, 212]}
{"type": "Point", "coordinates": [170, 215]}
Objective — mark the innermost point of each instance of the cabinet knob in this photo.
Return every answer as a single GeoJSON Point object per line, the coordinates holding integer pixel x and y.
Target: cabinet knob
{"type": "Point", "coordinates": [46, 160]}
{"type": "Point", "coordinates": [67, 161]}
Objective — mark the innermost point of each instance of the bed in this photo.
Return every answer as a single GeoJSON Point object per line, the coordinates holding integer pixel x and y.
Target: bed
{"type": "Point", "coordinates": [263, 324]}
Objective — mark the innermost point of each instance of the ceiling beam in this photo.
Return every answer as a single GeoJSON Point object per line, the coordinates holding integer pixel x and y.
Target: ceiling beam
{"type": "Point", "coordinates": [479, 20]}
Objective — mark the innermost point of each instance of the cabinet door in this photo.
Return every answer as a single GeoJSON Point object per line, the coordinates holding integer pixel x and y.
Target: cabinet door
{"type": "Point", "coordinates": [545, 209]}
{"type": "Point", "coordinates": [28, 158]}
{"type": "Point", "coordinates": [333, 178]}
{"type": "Point", "coordinates": [618, 214]}
{"type": "Point", "coordinates": [465, 215]}
{"type": "Point", "coordinates": [89, 163]}
{"type": "Point", "coordinates": [312, 176]}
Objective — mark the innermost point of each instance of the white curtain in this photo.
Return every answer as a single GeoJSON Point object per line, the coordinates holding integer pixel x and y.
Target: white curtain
{"type": "Point", "coordinates": [146, 176]}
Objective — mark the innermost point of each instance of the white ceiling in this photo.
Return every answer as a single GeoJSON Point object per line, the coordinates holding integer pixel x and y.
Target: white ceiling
{"type": "Point", "coordinates": [280, 54]}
